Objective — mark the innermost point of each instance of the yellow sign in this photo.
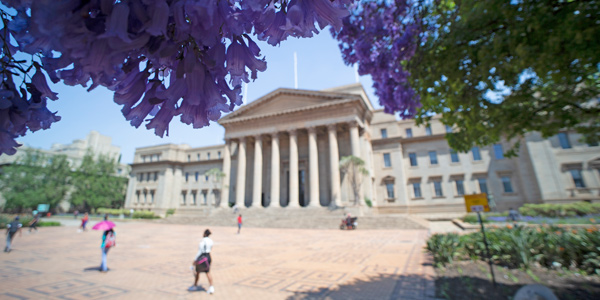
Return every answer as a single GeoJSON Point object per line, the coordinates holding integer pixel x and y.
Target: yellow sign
{"type": "Point", "coordinates": [477, 203]}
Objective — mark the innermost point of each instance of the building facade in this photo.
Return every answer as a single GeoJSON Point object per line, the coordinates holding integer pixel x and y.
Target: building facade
{"type": "Point", "coordinates": [283, 150]}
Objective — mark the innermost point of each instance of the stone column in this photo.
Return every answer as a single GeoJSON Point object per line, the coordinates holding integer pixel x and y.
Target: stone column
{"type": "Point", "coordinates": [226, 170]}
{"type": "Point", "coordinates": [354, 139]}
{"type": "Point", "coordinates": [355, 143]}
{"type": "Point", "coordinates": [334, 165]}
{"type": "Point", "coordinates": [294, 202]}
{"type": "Point", "coordinates": [240, 192]}
{"type": "Point", "coordinates": [313, 156]}
{"type": "Point", "coordinates": [275, 164]}
{"type": "Point", "coordinates": [258, 165]}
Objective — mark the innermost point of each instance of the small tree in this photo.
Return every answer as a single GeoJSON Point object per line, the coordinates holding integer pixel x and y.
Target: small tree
{"type": "Point", "coordinates": [216, 177]}
{"type": "Point", "coordinates": [354, 168]}
{"type": "Point", "coordinates": [96, 185]}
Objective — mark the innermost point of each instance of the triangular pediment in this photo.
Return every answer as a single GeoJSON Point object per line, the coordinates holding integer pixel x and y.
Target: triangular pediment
{"type": "Point", "coordinates": [285, 101]}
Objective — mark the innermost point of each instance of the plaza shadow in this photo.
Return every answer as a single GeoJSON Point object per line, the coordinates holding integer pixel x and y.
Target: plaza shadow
{"type": "Point", "coordinates": [417, 287]}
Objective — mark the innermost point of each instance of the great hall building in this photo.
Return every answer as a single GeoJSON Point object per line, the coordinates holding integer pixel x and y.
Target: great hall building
{"type": "Point", "coordinates": [283, 150]}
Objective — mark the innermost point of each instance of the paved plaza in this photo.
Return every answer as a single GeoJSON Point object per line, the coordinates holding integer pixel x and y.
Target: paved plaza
{"type": "Point", "coordinates": [152, 261]}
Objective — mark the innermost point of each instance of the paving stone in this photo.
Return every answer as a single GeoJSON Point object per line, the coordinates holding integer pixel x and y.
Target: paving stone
{"type": "Point", "coordinates": [152, 261]}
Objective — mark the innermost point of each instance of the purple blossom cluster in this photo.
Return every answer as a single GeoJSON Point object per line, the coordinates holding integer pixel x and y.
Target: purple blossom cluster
{"type": "Point", "coordinates": [381, 36]}
{"type": "Point", "coordinates": [161, 58]}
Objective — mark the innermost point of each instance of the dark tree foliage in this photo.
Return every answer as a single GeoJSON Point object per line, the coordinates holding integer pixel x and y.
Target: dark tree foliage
{"type": "Point", "coordinates": [494, 69]}
{"type": "Point", "coordinates": [35, 179]}
{"type": "Point", "coordinates": [95, 184]}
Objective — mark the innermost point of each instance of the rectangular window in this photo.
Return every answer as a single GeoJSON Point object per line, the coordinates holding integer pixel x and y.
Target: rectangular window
{"type": "Point", "coordinates": [433, 157]}
{"type": "Point", "coordinates": [507, 185]}
{"type": "Point", "coordinates": [155, 176]}
{"type": "Point", "coordinates": [413, 159]}
{"type": "Point", "coordinates": [187, 175]}
{"type": "Point", "coordinates": [197, 175]}
{"type": "Point", "coordinates": [206, 178]}
{"type": "Point", "coordinates": [137, 193]}
{"type": "Point", "coordinates": [145, 196]}
{"type": "Point", "coordinates": [437, 187]}
{"type": "Point", "coordinates": [448, 129]}
{"type": "Point", "coordinates": [428, 130]}
{"type": "Point", "coordinates": [453, 156]}
{"type": "Point", "coordinates": [563, 138]}
{"type": "Point", "coordinates": [219, 154]}
{"type": "Point", "coordinates": [141, 177]}
{"type": "Point", "coordinates": [482, 185]}
{"type": "Point", "coordinates": [208, 156]}
{"type": "Point", "coordinates": [148, 176]}
{"type": "Point", "coordinates": [498, 151]}
{"type": "Point", "coordinates": [194, 197]}
{"type": "Point", "coordinates": [152, 196]}
{"type": "Point", "coordinates": [417, 189]}
{"type": "Point", "coordinates": [387, 160]}
{"type": "Point", "coordinates": [384, 133]}
{"type": "Point", "coordinates": [577, 178]}
{"type": "Point", "coordinates": [183, 194]}
{"type": "Point", "coordinates": [151, 157]}
{"type": "Point", "coordinates": [409, 132]}
{"type": "Point", "coordinates": [460, 187]}
{"type": "Point", "coordinates": [476, 154]}
{"type": "Point", "coordinates": [198, 156]}
{"type": "Point", "coordinates": [204, 194]}
{"type": "Point", "coordinates": [189, 157]}
{"type": "Point", "coordinates": [390, 190]}
{"type": "Point", "coordinates": [143, 158]}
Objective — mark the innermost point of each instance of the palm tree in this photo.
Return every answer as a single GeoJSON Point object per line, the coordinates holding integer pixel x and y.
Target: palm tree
{"type": "Point", "coordinates": [354, 167]}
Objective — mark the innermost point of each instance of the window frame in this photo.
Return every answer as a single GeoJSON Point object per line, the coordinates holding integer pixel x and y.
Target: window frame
{"type": "Point", "coordinates": [479, 183]}
{"type": "Point", "coordinates": [428, 130]}
{"type": "Point", "coordinates": [576, 180]}
{"type": "Point", "coordinates": [417, 193]}
{"type": "Point", "coordinates": [454, 154]}
{"type": "Point", "coordinates": [478, 156]}
{"type": "Point", "coordinates": [383, 132]}
{"type": "Point", "coordinates": [563, 140]}
{"type": "Point", "coordinates": [435, 188]}
{"type": "Point", "coordinates": [504, 184]}
{"type": "Point", "coordinates": [408, 132]}
{"type": "Point", "coordinates": [459, 183]}
{"type": "Point", "coordinates": [388, 185]}
{"type": "Point", "coordinates": [411, 156]}
{"type": "Point", "coordinates": [387, 163]}
{"type": "Point", "coordinates": [431, 159]}
{"type": "Point", "coordinates": [498, 151]}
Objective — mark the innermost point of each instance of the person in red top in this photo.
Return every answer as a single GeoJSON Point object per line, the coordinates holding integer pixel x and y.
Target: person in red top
{"type": "Point", "coordinates": [239, 223]}
{"type": "Point", "coordinates": [84, 221]}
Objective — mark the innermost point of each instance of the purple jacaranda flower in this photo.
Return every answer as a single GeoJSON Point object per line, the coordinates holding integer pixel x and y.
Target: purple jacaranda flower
{"type": "Point", "coordinates": [238, 58]}
{"type": "Point", "coordinates": [8, 144]}
{"type": "Point", "coordinates": [137, 114]}
{"type": "Point", "coordinates": [19, 23]}
{"type": "Point", "coordinates": [129, 92]}
{"type": "Point", "coordinates": [160, 122]}
{"type": "Point", "coordinates": [40, 117]}
{"type": "Point", "coordinates": [273, 32]}
{"type": "Point", "coordinates": [160, 18]}
{"type": "Point", "coordinates": [117, 22]}
{"type": "Point", "coordinates": [39, 80]}
{"type": "Point", "coordinates": [194, 81]}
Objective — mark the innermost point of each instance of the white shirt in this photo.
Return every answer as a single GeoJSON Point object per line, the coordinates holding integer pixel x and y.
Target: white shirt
{"type": "Point", "coordinates": [201, 248]}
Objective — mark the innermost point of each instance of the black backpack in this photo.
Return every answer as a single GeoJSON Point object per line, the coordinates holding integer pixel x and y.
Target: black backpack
{"type": "Point", "coordinates": [14, 226]}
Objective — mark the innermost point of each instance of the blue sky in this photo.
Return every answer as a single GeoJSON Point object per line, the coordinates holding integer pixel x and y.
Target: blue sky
{"type": "Point", "coordinates": [320, 66]}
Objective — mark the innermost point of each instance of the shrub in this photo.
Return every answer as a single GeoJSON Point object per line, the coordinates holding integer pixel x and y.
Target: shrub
{"type": "Point", "coordinates": [170, 211]}
{"type": "Point", "coordinates": [113, 211]}
{"type": "Point", "coordinates": [48, 223]}
{"type": "Point", "coordinates": [144, 215]}
{"type": "Point", "coordinates": [523, 246]}
{"type": "Point", "coordinates": [560, 210]}
{"type": "Point", "coordinates": [443, 247]}
{"type": "Point", "coordinates": [368, 202]}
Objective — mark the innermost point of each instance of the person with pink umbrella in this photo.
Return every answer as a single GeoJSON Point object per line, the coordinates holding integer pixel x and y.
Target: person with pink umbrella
{"type": "Point", "coordinates": [109, 239]}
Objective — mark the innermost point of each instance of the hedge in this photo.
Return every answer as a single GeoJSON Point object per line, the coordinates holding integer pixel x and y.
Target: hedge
{"type": "Point", "coordinates": [548, 246]}
{"type": "Point", "coordinates": [560, 210]}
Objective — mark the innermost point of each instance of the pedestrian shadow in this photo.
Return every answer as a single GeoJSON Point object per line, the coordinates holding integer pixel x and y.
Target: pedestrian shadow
{"type": "Point", "coordinates": [196, 289]}
{"type": "Point", "coordinates": [97, 269]}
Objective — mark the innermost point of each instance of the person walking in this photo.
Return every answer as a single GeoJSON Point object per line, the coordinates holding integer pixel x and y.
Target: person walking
{"type": "Point", "coordinates": [239, 219]}
{"type": "Point", "coordinates": [33, 224]}
{"type": "Point", "coordinates": [84, 221]}
{"type": "Point", "coordinates": [200, 263]}
{"type": "Point", "coordinates": [109, 239]}
{"type": "Point", "coordinates": [11, 230]}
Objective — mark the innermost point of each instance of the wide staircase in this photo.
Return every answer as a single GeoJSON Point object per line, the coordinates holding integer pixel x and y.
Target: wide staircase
{"type": "Point", "coordinates": [317, 218]}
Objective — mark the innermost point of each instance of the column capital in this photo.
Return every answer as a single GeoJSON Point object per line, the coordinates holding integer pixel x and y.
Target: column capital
{"type": "Point", "coordinates": [258, 137]}
{"type": "Point", "coordinates": [293, 131]}
{"type": "Point", "coordinates": [353, 123]}
{"type": "Point", "coordinates": [275, 134]}
{"type": "Point", "coordinates": [331, 127]}
{"type": "Point", "coordinates": [312, 129]}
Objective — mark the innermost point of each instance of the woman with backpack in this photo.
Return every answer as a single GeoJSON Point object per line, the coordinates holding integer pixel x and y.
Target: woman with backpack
{"type": "Point", "coordinates": [108, 241]}
{"type": "Point", "coordinates": [202, 262]}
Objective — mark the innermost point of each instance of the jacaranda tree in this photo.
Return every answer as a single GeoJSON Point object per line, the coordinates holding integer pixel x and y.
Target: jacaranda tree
{"type": "Point", "coordinates": [495, 69]}
{"type": "Point", "coordinates": [162, 58]}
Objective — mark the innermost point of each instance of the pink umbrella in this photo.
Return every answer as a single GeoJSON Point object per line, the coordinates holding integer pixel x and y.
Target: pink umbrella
{"type": "Point", "coordinates": [104, 225]}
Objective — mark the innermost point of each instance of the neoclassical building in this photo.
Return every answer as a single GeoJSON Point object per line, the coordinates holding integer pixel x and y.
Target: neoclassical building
{"type": "Point", "coordinates": [283, 150]}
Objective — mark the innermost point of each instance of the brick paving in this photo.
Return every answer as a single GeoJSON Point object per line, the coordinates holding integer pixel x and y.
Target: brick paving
{"type": "Point", "coordinates": [152, 261]}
